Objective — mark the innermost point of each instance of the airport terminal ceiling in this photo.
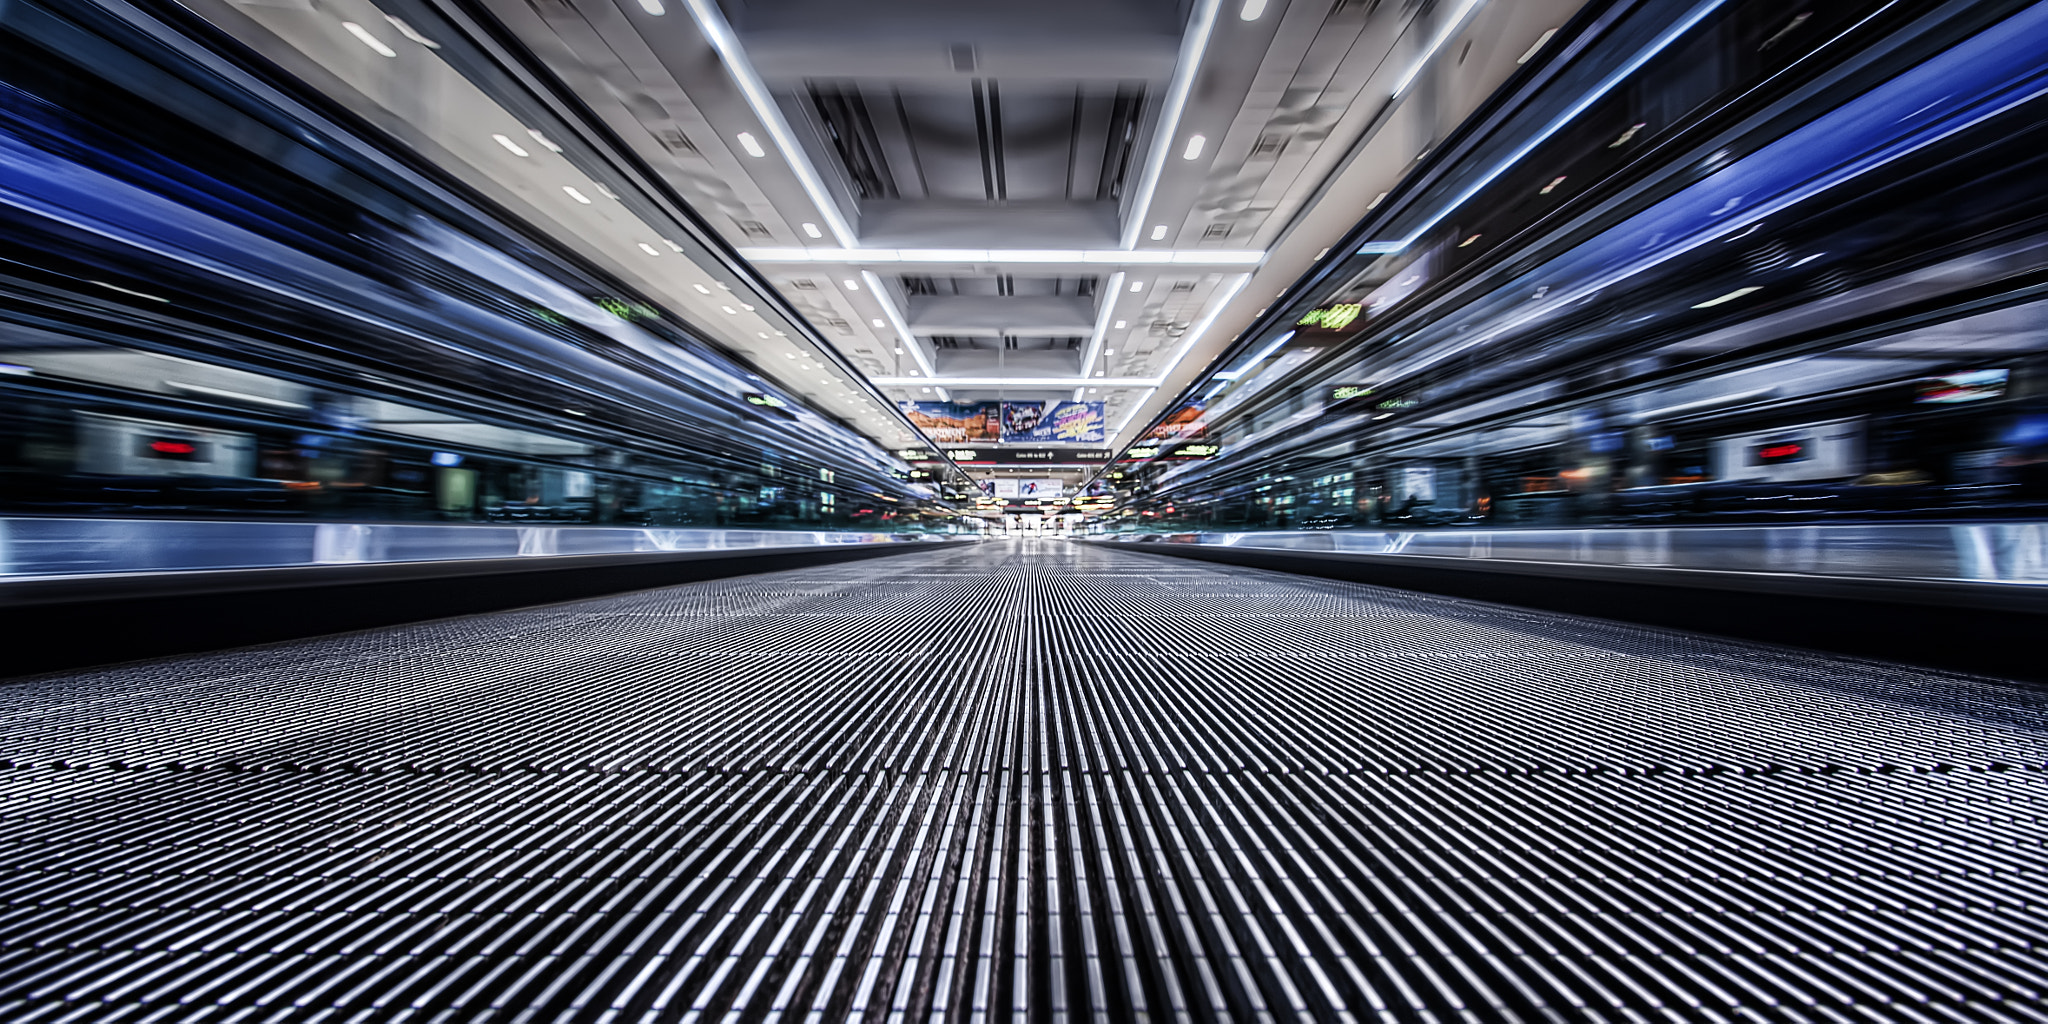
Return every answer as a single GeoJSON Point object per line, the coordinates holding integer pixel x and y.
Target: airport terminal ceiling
{"type": "Point", "coordinates": [973, 202]}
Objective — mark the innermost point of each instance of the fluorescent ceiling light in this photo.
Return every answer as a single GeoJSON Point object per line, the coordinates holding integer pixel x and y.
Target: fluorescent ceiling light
{"type": "Point", "coordinates": [543, 140]}
{"type": "Point", "coordinates": [1137, 286]}
{"type": "Point", "coordinates": [1535, 46]}
{"type": "Point", "coordinates": [1194, 147]}
{"type": "Point", "coordinates": [653, 7]}
{"type": "Point", "coordinates": [879, 322]}
{"type": "Point", "coordinates": [1120, 324]}
{"type": "Point", "coordinates": [720, 34]}
{"type": "Point", "coordinates": [576, 195]}
{"type": "Point", "coordinates": [729, 311]}
{"type": "Point", "coordinates": [1201, 22]}
{"type": "Point", "coordinates": [1158, 232]}
{"type": "Point", "coordinates": [1043, 255]}
{"type": "Point", "coordinates": [1251, 10]}
{"type": "Point", "coordinates": [851, 285]}
{"type": "Point", "coordinates": [812, 230]}
{"type": "Point", "coordinates": [649, 250]}
{"type": "Point", "coordinates": [368, 40]}
{"type": "Point", "coordinates": [701, 290]}
{"type": "Point", "coordinates": [1124, 257]}
{"type": "Point", "coordinates": [751, 144]}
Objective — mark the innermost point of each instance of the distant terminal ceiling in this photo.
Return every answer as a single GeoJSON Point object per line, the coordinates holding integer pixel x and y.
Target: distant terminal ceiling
{"type": "Point", "coordinates": [1113, 257]}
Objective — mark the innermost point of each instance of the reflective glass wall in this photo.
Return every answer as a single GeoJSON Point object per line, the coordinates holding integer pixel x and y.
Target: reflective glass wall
{"type": "Point", "coordinates": [221, 299]}
{"type": "Point", "coordinates": [1762, 266]}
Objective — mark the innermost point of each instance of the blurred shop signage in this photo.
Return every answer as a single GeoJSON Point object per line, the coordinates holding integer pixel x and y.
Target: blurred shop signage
{"type": "Point", "coordinates": [1193, 449]}
{"type": "Point", "coordinates": [1331, 318]}
{"type": "Point", "coordinates": [1777, 452]}
{"type": "Point", "coordinates": [1347, 399]}
{"type": "Point", "coordinates": [1975, 386]}
{"type": "Point", "coordinates": [1014, 456]}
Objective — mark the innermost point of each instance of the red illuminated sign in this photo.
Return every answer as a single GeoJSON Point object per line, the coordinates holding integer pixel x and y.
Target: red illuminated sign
{"type": "Point", "coordinates": [1771, 453]}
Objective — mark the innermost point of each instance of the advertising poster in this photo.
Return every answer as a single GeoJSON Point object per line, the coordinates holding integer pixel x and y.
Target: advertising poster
{"type": "Point", "coordinates": [957, 422]}
{"type": "Point", "coordinates": [1038, 488]}
{"type": "Point", "coordinates": [1006, 488]}
{"type": "Point", "coordinates": [1053, 421]}
{"type": "Point", "coordinates": [1186, 421]}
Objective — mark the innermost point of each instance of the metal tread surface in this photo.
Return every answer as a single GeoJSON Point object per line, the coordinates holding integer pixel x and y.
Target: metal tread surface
{"type": "Point", "coordinates": [1026, 779]}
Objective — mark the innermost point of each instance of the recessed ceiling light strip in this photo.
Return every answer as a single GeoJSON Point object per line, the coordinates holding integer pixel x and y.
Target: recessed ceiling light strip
{"type": "Point", "coordinates": [1192, 45]}
{"type": "Point", "coordinates": [1187, 342]}
{"type": "Point", "coordinates": [1113, 257]}
{"type": "Point", "coordinates": [897, 322]}
{"type": "Point", "coordinates": [1115, 285]}
{"type": "Point", "coordinates": [1132, 414]}
{"type": "Point", "coordinates": [722, 39]}
{"type": "Point", "coordinates": [1040, 383]}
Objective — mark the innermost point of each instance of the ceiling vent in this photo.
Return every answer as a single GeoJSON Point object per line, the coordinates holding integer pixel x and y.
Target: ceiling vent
{"type": "Point", "coordinates": [1215, 231]}
{"type": "Point", "coordinates": [673, 140]}
{"type": "Point", "coordinates": [804, 285]}
{"type": "Point", "coordinates": [753, 229]}
{"type": "Point", "coordinates": [1182, 287]}
{"type": "Point", "coordinates": [840, 325]}
{"type": "Point", "coordinates": [1269, 145]}
{"type": "Point", "coordinates": [962, 56]}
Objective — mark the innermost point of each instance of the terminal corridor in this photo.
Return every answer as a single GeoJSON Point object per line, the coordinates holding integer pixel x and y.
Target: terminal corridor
{"type": "Point", "coordinates": [1031, 779]}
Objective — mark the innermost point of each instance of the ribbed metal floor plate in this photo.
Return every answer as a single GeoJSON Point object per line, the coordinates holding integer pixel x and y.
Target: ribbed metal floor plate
{"type": "Point", "coordinates": [1030, 780]}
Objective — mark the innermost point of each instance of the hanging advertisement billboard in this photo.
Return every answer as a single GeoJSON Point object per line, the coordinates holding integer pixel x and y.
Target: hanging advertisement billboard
{"type": "Point", "coordinates": [1186, 421]}
{"type": "Point", "coordinates": [957, 422]}
{"type": "Point", "coordinates": [1039, 422]}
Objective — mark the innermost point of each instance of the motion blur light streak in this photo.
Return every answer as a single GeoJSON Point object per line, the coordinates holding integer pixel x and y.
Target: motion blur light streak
{"type": "Point", "coordinates": [1730, 297]}
{"type": "Point", "coordinates": [1585, 102]}
{"type": "Point", "coordinates": [1452, 26]}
